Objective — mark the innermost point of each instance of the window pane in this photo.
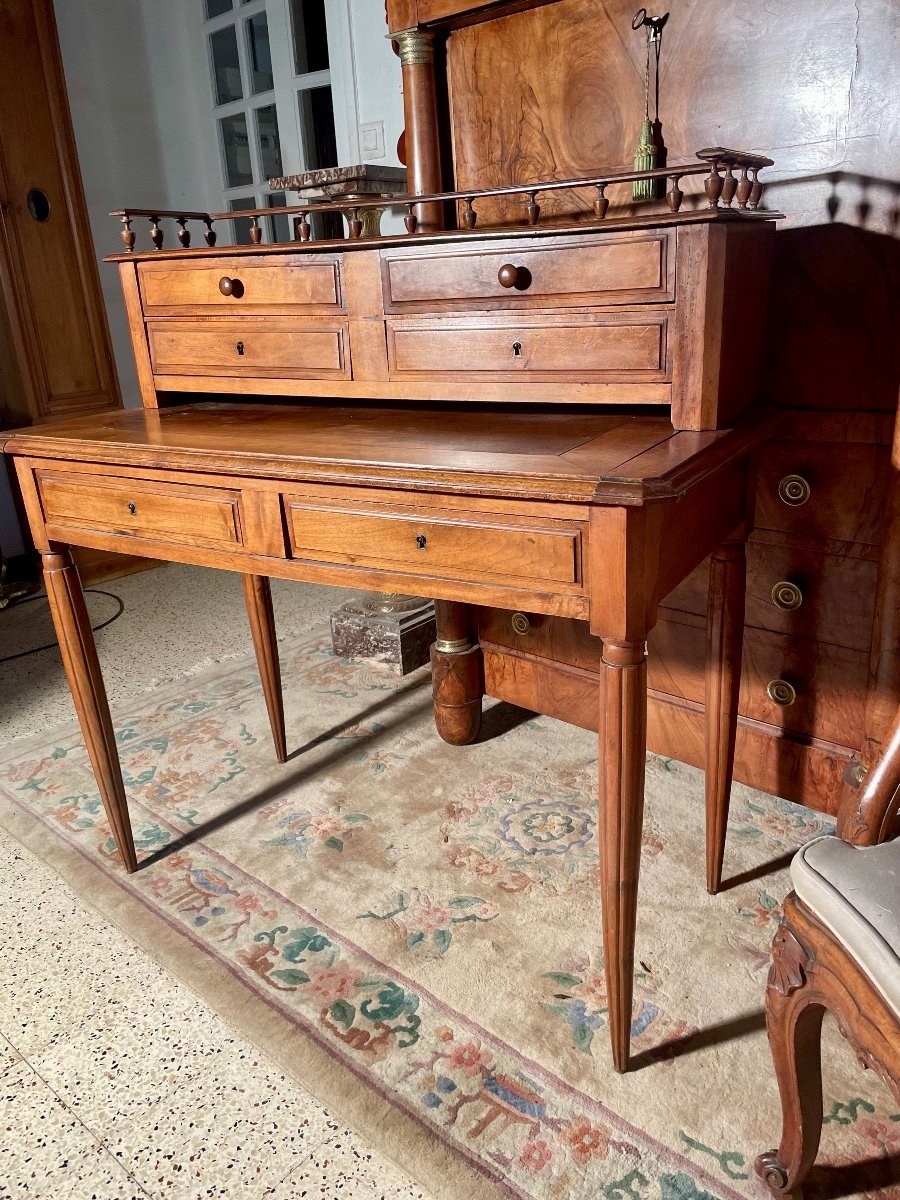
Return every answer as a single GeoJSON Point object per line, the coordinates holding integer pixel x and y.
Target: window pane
{"type": "Point", "coordinates": [242, 225]}
{"type": "Point", "coordinates": [261, 77]}
{"type": "Point", "coordinates": [317, 123]}
{"type": "Point", "coordinates": [269, 144]}
{"type": "Point", "coordinates": [236, 150]}
{"type": "Point", "coordinates": [310, 36]}
{"type": "Point", "coordinates": [215, 8]}
{"type": "Point", "coordinates": [226, 65]}
{"type": "Point", "coordinates": [280, 226]}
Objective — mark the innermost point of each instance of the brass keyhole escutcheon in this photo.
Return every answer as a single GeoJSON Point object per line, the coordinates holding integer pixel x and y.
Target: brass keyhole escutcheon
{"type": "Point", "coordinates": [782, 693]}
{"type": "Point", "coordinates": [132, 507]}
{"type": "Point", "coordinates": [786, 596]}
{"type": "Point", "coordinates": [793, 490]}
{"type": "Point", "coordinates": [517, 349]}
{"type": "Point", "coordinates": [421, 541]}
{"type": "Point", "coordinates": [240, 348]}
{"type": "Point", "coordinates": [520, 624]}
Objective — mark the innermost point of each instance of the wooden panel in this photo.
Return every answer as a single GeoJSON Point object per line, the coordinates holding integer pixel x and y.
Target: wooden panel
{"type": "Point", "coordinates": [564, 641]}
{"type": "Point", "coordinates": [627, 269]}
{"type": "Point", "coordinates": [427, 543]}
{"type": "Point", "coordinates": [807, 772]}
{"type": "Point", "coordinates": [272, 284]}
{"type": "Point", "coordinates": [55, 342]}
{"type": "Point", "coordinates": [847, 489]}
{"type": "Point", "coordinates": [588, 348]}
{"type": "Point", "coordinates": [189, 515]}
{"type": "Point", "coordinates": [283, 349]}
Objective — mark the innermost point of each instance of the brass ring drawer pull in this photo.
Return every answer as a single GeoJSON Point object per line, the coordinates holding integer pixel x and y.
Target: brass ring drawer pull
{"type": "Point", "coordinates": [520, 624]}
{"type": "Point", "coordinates": [782, 693]}
{"type": "Point", "coordinates": [786, 596]}
{"type": "Point", "coordinates": [794, 490]}
{"type": "Point", "coordinates": [231, 287]}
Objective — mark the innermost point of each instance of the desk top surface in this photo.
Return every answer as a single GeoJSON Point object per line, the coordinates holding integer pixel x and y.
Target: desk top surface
{"type": "Point", "coordinates": [606, 457]}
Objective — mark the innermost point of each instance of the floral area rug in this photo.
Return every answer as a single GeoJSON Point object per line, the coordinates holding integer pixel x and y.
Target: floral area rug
{"type": "Point", "coordinates": [412, 930]}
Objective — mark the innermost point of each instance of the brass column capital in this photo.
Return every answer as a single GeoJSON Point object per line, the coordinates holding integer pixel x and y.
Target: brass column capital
{"type": "Point", "coordinates": [416, 45]}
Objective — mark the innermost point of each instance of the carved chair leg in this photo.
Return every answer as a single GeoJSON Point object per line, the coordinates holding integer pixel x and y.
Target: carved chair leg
{"type": "Point", "coordinates": [457, 673]}
{"type": "Point", "coordinates": [794, 1020]}
{"type": "Point", "coordinates": [258, 598]}
{"type": "Point", "coordinates": [622, 754]}
{"type": "Point", "coordinates": [82, 667]}
{"type": "Point", "coordinates": [724, 640]}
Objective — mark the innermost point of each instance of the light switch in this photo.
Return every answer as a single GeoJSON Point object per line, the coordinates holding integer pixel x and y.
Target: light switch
{"type": "Point", "coordinates": [371, 139]}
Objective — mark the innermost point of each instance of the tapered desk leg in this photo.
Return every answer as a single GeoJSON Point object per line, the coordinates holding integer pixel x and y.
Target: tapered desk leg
{"type": "Point", "coordinates": [457, 673]}
{"type": "Point", "coordinates": [258, 598]}
{"type": "Point", "coordinates": [622, 755]}
{"type": "Point", "coordinates": [79, 656]}
{"type": "Point", "coordinates": [724, 639]}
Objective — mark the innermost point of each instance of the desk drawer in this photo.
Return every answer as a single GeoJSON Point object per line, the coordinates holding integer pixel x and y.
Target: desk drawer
{"type": "Point", "coordinates": [168, 512]}
{"type": "Point", "coordinates": [283, 349]}
{"type": "Point", "coordinates": [270, 284]}
{"type": "Point", "coordinates": [579, 349]}
{"type": "Point", "coordinates": [558, 272]}
{"type": "Point", "coordinates": [424, 542]}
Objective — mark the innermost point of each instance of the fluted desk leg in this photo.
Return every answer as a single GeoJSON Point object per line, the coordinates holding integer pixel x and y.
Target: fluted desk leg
{"type": "Point", "coordinates": [622, 755]}
{"type": "Point", "coordinates": [724, 643]}
{"type": "Point", "coordinates": [258, 598]}
{"type": "Point", "coordinates": [79, 656]}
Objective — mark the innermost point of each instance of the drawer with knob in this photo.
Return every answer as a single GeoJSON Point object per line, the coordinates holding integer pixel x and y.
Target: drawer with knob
{"type": "Point", "coordinates": [275, 347]}
{"type": "Point", "coordinates": [793, 589]}
{"type": "Point", "coordinates": [273, 284]}
{"type": "Point", "coordinates": [553, 272]}
{"type": "Point", "coordinates": [158, 511]}
{"type": "Point", "coordinates": [477, 546]}
{"type": "Point", "coordinates": [823, 489]}
{"type": "Point", "coordinates": [628, 347]}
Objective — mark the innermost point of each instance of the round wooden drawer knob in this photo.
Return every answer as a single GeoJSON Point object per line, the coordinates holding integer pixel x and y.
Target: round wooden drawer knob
{"type": "Point", "coordinates": [231, 287]}
{"type": "Point", "coordinates": [793, 490]}
{"type": "Point", "coordinates": [786, 596]}
{"type": "Point", "coordinates": [520, 624]}
{"type": "Point", "coordinates": [782, 693]}
{"type": "Point", "coordinates": [514, 277]}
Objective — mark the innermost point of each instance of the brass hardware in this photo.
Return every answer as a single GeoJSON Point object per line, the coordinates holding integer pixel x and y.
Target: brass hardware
{"type": "Point", "coordinates": [520, 624]}
{"type": "Point", "coordinates": [782, 693]}
{"type": "Point", "coordinates": [231, 287]}
{"type": "Point", "coordinates": [132, 507]}
{"type": "Point", "coordinates": [854, 773]}
{"type": "Point", "coordinates": [240, 347]}
{"type": "Point", "coordinates": [421, 540]}
{"type": "Point", "coordinates": [415, 46]}
{"type": "Point", "coordinates": [453, 645]}
{"type": "Point", "coordinates": [794, 490]}
{"type": "Point", "coordinates": [786, 596]}
{"type": "Point", "coordinates": [517, 349]}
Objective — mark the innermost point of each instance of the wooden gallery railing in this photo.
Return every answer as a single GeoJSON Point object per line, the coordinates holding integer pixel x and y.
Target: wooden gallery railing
{"type": "Point", "coordinates": [731, 176]}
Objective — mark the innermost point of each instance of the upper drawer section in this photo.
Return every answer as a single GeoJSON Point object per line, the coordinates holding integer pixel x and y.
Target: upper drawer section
{"type": "Point", "coordinates": [547, 272]}
{"type": "Point", "coordinates": [280, 283]}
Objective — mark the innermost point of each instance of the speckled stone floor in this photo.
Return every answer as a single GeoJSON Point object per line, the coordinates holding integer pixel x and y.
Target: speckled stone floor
{"type": "Point", "coordinates": [116, 1081]}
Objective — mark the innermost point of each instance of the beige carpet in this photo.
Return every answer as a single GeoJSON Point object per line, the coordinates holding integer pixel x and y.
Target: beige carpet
{"type": "Point", "coordinates": [413, 931]}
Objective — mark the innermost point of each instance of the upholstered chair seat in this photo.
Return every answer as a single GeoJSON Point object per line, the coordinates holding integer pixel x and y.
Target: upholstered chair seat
{"type": "Point", "coordinates": [855, 892]}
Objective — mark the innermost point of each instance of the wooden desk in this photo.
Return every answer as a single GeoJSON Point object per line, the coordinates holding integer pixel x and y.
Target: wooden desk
{"type": "Point", "coordinates": [580, 515]}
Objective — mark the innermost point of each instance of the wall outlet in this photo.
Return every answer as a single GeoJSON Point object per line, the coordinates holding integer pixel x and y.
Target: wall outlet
{"type": "Point", "coordinates": [371, 140]}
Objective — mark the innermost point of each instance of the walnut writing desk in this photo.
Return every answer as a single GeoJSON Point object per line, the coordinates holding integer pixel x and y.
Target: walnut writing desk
{"type": "Point", "coordinates": [586, 515]}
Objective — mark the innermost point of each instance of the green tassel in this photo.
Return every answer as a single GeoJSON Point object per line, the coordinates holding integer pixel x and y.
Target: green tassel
{"type": "Point", "coordinates": [645, 160]}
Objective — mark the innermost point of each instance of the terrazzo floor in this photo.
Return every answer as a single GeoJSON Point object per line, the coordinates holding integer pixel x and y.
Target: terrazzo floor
{"type": "Point", "coordinates": [116, 1081]}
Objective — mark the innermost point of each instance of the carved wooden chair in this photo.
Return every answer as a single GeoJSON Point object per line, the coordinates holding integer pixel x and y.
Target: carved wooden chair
{"type": "Point", "coordinates": [838, 950]}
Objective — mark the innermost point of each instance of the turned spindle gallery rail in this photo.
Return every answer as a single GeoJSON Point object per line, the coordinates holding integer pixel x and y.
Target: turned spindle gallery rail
{"type": "Point", "coordinates": [732, 179]}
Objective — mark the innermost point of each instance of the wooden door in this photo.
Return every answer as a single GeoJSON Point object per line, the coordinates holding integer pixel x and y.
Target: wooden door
{"type": "Point", "coordinates": [55, 356]}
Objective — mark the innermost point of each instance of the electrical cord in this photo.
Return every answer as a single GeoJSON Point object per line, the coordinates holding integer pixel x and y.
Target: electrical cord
{"type": "Point", "coordinates": [52, 645]}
